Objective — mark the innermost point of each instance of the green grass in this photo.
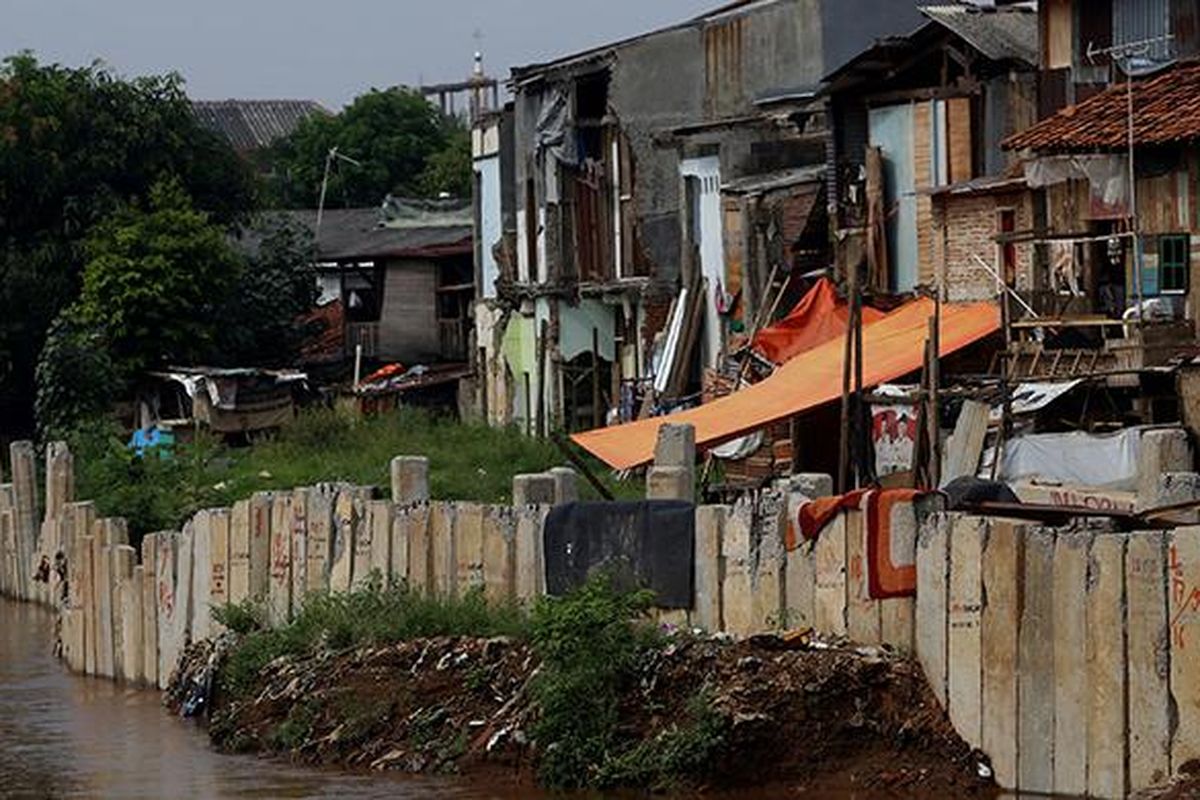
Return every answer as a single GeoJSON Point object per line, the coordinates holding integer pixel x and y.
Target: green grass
{"type": "Point", "coordinates": [372, 615]}
{"type": "Point", "coordinates": [468, 461]}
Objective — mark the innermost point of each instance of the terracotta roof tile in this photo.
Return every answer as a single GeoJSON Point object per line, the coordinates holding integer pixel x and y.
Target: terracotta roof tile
{"type": "Point", "coordinates": [1166, 111]}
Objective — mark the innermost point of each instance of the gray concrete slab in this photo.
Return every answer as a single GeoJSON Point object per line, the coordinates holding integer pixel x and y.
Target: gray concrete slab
{"type": "Point", "coordinates": [1107, 722]}
{"type": "Point", "coordinates": [1003, 588]}
{"type": "Point", "coordinates": [1149, 661]}
{"type": "Point", "coordinates": [499, 553]}
{"type": "Point", "coordinates": [964, 608]}
{"type": "Point", "coordinates": [933, 571]}
{"type": "Point", "coordinates": [707, 608]}
{"type": "Point", "coordinates": [1183, 572]}
{"type": "Point", "coordinates": [1036, 698]}
{"type": "Point", "coordinates": [410, 480]}
{"type": "Point", "coordinates": [1071, 696]}
{"type": "Point", "coordinates": [531, 552]}
{"type": "Point", "coordinates": [299, 538]}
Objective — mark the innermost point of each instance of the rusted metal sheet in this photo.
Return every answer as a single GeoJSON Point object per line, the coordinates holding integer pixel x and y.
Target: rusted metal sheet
{"type": "Point", "coordinates": [723, 43]}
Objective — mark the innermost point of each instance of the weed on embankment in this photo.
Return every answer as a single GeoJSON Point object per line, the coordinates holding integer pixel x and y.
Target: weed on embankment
{"type": "Point", "coordinates": [373, 615]}
{"type": "Point", "coordinates": [467, 461]}
{"type": "Point", "coordinates": [587, 655]}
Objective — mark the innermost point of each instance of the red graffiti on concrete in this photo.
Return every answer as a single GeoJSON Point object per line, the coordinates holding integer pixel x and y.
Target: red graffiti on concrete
{"type": "Point", "coordinates": [1185, 598]}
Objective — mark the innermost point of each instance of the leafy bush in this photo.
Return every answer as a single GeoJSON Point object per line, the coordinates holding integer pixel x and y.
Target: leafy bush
{"type": "Point", "coordinates": [684, 750]}
{"type": "Point", "coordinates": [152, 492]}
{"type": "Point", "coordinates": [142, 284]}
{"type": "Point", "coordinates": [589, 643]}
{"type": "Point", "coordinates": [242, 618]}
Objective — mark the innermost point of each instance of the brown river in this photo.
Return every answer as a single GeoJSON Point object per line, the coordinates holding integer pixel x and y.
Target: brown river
{"type": "Point", "coordinates": [67, 736]}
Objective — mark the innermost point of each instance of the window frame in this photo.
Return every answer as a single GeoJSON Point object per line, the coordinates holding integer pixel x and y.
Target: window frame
{"type": "Point", "coordinates": [1183, 264]}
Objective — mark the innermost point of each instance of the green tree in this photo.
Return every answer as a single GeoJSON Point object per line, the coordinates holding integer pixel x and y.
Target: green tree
{"type": "Point", "coordinates": [276, 285]}
{"type": "Point", "coordinates": [448, 171]}
{"type": "Point", "coordinates": [392, 133]}
{"type": "Point", "coordinates": [75, 146]}
{"type": "Point", "coordinates": [76, 378]}
{"type": "Point", "coordinates": [154, 281]}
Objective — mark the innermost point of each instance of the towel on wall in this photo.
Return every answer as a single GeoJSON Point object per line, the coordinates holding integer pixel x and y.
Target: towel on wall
{"type": "Point", "coordinates": [889, 529]}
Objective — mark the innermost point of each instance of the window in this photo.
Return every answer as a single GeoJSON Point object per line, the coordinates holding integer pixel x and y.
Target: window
{"type": "Point", "coordinates": [1173, 264]}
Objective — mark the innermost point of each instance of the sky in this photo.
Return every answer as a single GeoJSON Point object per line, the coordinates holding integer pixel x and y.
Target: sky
{"type": "Point", "coordinates": [317, 49]}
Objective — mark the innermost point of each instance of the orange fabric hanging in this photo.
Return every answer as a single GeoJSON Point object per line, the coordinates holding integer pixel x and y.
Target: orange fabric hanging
{"type": "Point", "coordinates": [819, 317]}
{"type": "Point", "coordinates": [892, 346]}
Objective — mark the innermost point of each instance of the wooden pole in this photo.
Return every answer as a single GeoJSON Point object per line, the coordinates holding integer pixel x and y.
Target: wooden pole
{"type": "Point", "coordinates": [935, 380]}
{"type": "Point", "coordinates": [541, 380]}
{"type": "Point", "coordinates": [847, 357]}
{"type": "Point", "coordinates": [597, 416]}
{"type": "Point", "coordinates": [565, 448]}
{"type": "Point", "coordinates": [1005, 388]}
{"type": "Point", "coordinates": [859, 431]}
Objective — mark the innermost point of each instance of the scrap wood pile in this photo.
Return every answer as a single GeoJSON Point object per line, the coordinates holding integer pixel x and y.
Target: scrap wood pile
{"type": "Point", "coordinates": [794, 711]}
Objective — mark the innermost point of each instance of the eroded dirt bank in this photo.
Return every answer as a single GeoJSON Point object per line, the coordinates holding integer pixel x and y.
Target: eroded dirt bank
{"type": "Point", "coordinates": [819, 719]}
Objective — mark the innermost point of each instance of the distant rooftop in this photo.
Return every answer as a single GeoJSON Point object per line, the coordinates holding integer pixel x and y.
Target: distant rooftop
{"type": "Point", "coordinates": [250, 125]}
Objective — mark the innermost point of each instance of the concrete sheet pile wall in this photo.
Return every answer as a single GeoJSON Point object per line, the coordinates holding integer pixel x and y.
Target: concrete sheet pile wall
{"type": "Point", "coordinates": [128, 614]}
{"type": "Point", "coordinates": [1067, 655]}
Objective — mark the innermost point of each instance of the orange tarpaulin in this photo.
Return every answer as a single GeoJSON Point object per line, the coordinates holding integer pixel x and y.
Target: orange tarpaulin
{"type": "Point", "coordinates": [819, 316]}
{"type": "Point", "coordinates": [892, 347]}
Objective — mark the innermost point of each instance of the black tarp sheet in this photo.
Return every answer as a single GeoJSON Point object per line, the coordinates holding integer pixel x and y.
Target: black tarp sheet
{"type": "Point", "coordinates": [650, 543]}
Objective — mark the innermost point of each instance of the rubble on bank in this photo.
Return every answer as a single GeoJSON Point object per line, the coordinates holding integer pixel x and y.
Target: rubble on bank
{"type": "Point", "coordinates": [809, 716]}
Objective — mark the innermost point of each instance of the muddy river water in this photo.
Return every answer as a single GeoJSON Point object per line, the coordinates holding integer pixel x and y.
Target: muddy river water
{"type": "Point", "coordinates": [67, 736]}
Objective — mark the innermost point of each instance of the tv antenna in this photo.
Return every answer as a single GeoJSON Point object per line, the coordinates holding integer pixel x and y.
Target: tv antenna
{"type": "Point", "coordinates": [333, 156]}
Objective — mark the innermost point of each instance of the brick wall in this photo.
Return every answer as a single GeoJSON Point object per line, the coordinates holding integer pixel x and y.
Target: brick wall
{"type": "Point", "coordinates": [964, 226]}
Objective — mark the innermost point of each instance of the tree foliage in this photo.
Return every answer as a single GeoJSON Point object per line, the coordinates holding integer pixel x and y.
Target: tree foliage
{"type": "Point", "coordinates": [76, 378]}
{"type": "Point", "coordinates": [163, 285]}
{"type": "Point", "coordinates": [154, 281]}
{"type": "Point", "coordinates": [276, 285]}
{"type": "Point", "coordinates": [76, 145]}
{"type": "Point", "coordinates": [404, 145]}
{"type": "Point", "coordinates": [448, 171]}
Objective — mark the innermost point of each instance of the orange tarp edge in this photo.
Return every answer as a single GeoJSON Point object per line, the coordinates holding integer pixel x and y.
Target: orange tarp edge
{"type": "Point", "coordinates": [892, 347]}
{"type": "Point", "coordinates": [819, 316]}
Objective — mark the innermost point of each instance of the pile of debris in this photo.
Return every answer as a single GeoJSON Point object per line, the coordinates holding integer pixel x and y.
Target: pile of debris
{"type": "Point", "coordinates": [822, 716]}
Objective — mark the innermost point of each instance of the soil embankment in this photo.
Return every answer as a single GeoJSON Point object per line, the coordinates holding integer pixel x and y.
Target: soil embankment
{"type": "Point", "coordinates": [810, 718]}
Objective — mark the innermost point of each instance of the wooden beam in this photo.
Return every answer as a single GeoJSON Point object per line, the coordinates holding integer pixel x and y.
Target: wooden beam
{"type": "Point", "coordinates": [565, 448]}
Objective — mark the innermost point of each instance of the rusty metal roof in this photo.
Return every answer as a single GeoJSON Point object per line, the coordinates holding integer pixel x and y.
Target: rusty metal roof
{"type": "Point", "coordinates": [1003, 34]}
{"type": "Point", "coordinates": [1165, 112]}
{"type": "Point", "coordinates": [254, 124]}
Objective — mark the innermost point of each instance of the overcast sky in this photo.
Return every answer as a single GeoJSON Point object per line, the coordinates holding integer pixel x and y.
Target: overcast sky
{"type": "Point", "coordinates": [327, 51]}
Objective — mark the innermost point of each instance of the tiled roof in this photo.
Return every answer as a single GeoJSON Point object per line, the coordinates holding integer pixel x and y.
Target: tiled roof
{"type": "Point", "coordinates": [1166, 111]}
{"type": "Point", "coordinates": [254, 124]}
{"type": "Point", "coordinates": [1000, 34]}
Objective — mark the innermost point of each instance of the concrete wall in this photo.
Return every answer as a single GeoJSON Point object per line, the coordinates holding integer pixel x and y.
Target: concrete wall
{"type": "Point", "coordinates": [128, 615]}
{"type": "Point", "coordinates": [1066, 655]}
{"type": "Point", "coordinates": [408, 326]}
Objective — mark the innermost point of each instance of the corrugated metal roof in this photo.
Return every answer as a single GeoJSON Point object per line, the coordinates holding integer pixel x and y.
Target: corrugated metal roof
{"type": "Point", "coordinates": [1006, 34]}
{"type": "Point", "coordinates": [772, 181]}
{"type": "Point", "coordinates": [254, 124]}
{"type": "Point", "coordinates": [1165, 112]}
{"type": "Point", "coordinates": [349, 234]}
